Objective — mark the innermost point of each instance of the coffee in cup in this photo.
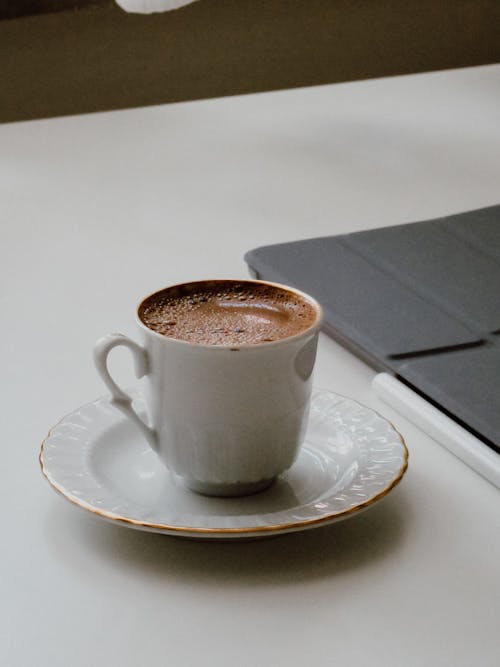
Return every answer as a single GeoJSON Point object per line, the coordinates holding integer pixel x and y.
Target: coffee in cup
{"type": "Point", "coordinates": [227, 313]}
{"type": "Point", "coordinates": [229, 364]}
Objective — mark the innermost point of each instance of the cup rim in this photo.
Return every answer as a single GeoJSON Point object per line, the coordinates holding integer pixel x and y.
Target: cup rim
{"type": "Point", "coordinates": [315, 326]}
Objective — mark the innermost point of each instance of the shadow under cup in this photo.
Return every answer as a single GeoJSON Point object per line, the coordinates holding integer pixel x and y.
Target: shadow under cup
{"type": "Point", "coordinates": [228, 401]}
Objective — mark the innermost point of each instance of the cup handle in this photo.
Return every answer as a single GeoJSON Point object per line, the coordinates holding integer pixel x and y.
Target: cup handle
{"type": "Point", "coordinates": [119, 398]}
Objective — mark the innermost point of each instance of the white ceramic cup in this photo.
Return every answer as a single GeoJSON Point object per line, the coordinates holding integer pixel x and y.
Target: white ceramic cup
{"type": "Point", "coordinates": [225, 420]}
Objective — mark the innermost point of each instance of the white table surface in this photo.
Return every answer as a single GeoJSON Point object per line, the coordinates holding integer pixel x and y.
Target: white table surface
{"type": "Point", "coordinates": [98, 210]}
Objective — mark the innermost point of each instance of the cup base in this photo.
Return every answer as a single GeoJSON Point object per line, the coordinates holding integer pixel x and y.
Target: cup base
{"type": "Point", "coordinates": [225, 490]}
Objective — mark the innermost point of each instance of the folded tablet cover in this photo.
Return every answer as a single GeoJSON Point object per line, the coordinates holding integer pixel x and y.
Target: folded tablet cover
{"type": "Point", "coordinates": [421, 300]}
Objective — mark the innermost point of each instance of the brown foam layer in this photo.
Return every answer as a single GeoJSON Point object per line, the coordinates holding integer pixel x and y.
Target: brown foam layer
{"type": "Point", "coordinates": [227, 313]}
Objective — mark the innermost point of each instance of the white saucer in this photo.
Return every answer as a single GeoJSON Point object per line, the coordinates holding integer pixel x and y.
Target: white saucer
{"type": "Point", "coordinates": [351, 458]}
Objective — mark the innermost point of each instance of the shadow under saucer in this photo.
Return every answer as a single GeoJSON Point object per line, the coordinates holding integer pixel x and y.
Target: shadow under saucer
{"type": "Point", "coordinates": [82, 542]}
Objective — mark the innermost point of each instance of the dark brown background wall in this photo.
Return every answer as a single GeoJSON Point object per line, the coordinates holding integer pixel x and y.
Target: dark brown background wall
{"type": "Point", "coordinates": [67, 56]}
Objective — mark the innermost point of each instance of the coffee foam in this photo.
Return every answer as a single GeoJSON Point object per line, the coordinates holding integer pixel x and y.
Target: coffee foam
{"type": "Point", "coordinates": [228, 313]}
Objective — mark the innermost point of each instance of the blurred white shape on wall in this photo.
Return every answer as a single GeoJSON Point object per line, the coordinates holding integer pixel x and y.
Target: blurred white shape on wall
{"type": "Point", "coordinates": [151, 6]}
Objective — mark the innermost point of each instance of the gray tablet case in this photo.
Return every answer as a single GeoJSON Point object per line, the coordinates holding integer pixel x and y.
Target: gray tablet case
{"type": "Point", "coordinates": [420, 300]}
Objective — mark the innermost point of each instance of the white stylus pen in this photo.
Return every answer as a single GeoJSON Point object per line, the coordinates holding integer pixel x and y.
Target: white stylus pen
{"type": "Point", "coordinates": [476, 454]}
